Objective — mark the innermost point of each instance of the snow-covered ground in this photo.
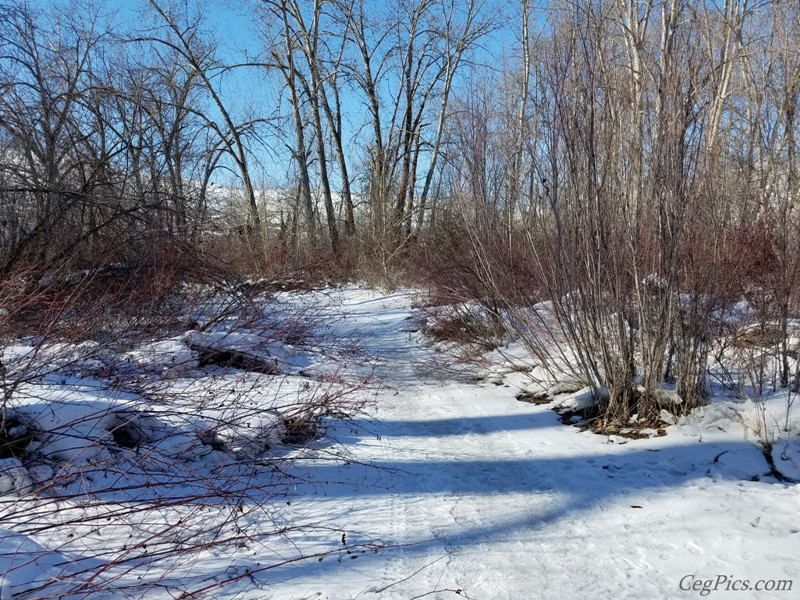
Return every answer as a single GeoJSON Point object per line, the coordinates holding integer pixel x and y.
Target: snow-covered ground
{"type": "Point", "coordinates": [443, 485]}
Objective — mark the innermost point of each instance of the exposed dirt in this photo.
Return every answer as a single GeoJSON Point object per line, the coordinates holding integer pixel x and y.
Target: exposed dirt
{"type": "Point", "coordinates": [531, 398]}
{"type": "Point", "coordinates": [232, 359]}
{"type": "Point", "coordinates": [593, 420]}
{"type": "Point", "coordinates": [15, 436]}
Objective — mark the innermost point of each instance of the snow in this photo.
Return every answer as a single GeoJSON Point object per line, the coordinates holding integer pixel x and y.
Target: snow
{"type": "Point", "coordinates": [26, 565]}
{"type": "Point", "coordinates": [51, 357]}
{"type": "Point", "coordinates": [14, 477]}
{"type": "Point", "coordinates": [442, 485]}
{"type": "Point", "coordinates": [786, 456]}
{"type": "Point", "coordinates": [168, 356]}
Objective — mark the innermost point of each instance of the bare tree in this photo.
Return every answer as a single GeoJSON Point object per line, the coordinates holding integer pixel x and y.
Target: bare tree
{"type": "Point", "coordinates": [185, 41]}
{"type": "Point", "coordinates": [307, 37]}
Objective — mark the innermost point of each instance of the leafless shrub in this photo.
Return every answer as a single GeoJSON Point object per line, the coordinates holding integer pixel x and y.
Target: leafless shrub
{"type": "Point", "coordinates": [639, 229]}
{"type": "Point", "coordinates": [131, 457]}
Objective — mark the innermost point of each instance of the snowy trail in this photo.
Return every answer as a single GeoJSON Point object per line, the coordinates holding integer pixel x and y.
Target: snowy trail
{"type": "Point", "coordinates": [444, 487]}
{"type": "Point", "coordinates": [478, 495]}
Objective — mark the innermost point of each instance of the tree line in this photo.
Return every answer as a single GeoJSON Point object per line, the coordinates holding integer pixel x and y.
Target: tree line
{"type": "Point", "coordinates": [107, 125]}
{"type": "Point", "coordinates": [634, 162]}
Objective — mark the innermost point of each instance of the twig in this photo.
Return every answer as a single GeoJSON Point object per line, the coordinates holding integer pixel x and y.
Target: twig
{"type": "Point", "coordinates": [422, 568]}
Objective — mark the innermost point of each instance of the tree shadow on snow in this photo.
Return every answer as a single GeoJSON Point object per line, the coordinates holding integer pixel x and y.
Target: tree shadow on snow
{"type": "Point", "coordinates": [541, 490]}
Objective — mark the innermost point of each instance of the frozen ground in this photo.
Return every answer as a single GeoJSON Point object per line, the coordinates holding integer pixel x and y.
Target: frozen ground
{"type": "Point", "coordinates": [443, 487]}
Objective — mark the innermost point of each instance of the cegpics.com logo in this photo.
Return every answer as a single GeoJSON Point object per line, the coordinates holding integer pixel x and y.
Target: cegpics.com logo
{"type": "Point", "coordinates": [728, 583]}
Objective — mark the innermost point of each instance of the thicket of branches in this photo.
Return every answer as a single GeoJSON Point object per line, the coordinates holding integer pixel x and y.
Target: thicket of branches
{"type": "Point", "coordinates": [646, 191]}
{"type": "Point", "coordinates": [113, 133]}
{"type": "Point", "coordinates": [633, 162]}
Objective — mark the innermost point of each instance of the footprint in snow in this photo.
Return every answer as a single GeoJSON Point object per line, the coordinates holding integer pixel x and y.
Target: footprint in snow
{"type": "Point", "coordinates": [693, 548]}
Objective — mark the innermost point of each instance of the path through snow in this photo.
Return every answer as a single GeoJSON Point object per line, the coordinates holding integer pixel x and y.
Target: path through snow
{"type": "Point", "coordinates": [477, 495]}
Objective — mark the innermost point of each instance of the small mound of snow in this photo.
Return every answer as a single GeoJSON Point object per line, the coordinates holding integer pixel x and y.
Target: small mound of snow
{"type": "Point", "coordinates": [716, 417]}
{"type": "Point", "coordinates": [76, 428]}
{"type": "Point", "coordinates": [786, 458]}
{"type": "Point", "coordinates": [579, 401]}
{"type": "Point", "coordinates": [178, 447]}
{"type": "Point", "coordinates": [565, 387]}
{"type": "Point", "coordinates": [14, 478]}
{"type": "Point", "coordinates": [251, 436]}
{"type": "Point", "coordinates": [667, 417]}
{"type": "Point", "coordinates": [25, 566]}
{"type": "Point", "coordinates": [171, 356]}
{"type": "Point", "coordinates": [741, 464]}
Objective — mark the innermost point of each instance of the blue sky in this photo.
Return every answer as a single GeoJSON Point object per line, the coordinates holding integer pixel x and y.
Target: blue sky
{"type": "Point", "coordinates": [249, 91]}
